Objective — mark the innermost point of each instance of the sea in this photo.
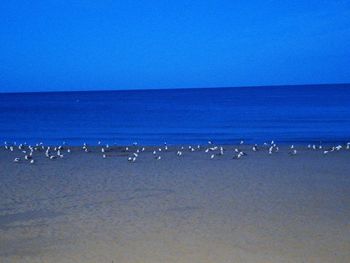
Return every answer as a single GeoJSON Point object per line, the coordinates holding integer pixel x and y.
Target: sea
{"type": "Point", "coordinates": [300, 114]}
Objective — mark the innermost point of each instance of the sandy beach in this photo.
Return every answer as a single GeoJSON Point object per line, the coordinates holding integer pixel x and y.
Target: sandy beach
{"type": "Point", "coordinates": [261, 208]}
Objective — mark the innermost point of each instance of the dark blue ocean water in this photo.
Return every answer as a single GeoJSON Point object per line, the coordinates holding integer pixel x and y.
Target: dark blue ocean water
{"type": "Point", "coordinates": [226, 115]}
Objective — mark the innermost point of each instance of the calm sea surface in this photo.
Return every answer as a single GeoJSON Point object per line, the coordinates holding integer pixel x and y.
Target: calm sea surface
{"type": "Point", "coordinates": [226, 115]}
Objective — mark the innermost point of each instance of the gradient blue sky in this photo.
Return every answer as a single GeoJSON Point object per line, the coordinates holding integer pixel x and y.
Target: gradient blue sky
{"type": "Point", "coordinates": [90, 45]}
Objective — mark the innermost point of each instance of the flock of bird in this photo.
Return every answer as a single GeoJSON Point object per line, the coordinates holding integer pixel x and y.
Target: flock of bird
{"type": "Point", "coordinates": [54, 152]}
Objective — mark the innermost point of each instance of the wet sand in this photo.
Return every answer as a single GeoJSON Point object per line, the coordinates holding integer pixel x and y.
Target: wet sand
{"type": "Point", "coordinates": [261, 208]}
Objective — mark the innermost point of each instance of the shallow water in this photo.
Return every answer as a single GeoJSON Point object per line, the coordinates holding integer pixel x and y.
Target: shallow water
{"type": "Point", "coordinates": [255, 114]}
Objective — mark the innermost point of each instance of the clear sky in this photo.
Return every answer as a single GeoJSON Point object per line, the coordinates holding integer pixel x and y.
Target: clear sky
{"type": "Point", "coordinates": [91, 45]}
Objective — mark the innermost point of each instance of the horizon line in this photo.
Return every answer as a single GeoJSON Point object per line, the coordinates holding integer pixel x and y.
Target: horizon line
{"type": "Point", "coordinates": [179, 88]}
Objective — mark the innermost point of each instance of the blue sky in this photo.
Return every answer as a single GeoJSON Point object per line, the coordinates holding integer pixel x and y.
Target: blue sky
{"type": "Point", "coordinates": [91, 45]}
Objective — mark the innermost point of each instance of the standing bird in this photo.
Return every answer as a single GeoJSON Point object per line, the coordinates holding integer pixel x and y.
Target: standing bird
{"type": "Point", "coordinates": [132, 159]}
{"type": "Point", "coordinates": [238, 156]}
{"type": "Point", "coordinates": [294, 152]}
{"type": "Point", "coordinates": [338, 147]}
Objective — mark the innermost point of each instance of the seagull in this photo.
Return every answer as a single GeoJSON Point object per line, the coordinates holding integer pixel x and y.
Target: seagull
{"type": "Point", "coordinates": [270, 150]}
{"type": "Point", "coordinates": [27, 157]}
{"type": "Point", "coordinates": [159, 157]}
{"type": "Point", "coordinates": [241, 142]}
{"type": "Point", "coordinates": [104, 156]}
{"type": "Point", "coordinates": [132, 159]}
{"type": "Point", "coordinates": [31, 161]}
{"type": "Point", "coordinates": [17, 159]}
{"type": "Point", "coordinates": [338, 147]}
{"type": "Point", "coordinates": [103, 150]}
{"type": "Point", "coordinates": [238, 156]}
{"type": "Point", "coordinates": [179, 153]}
{"type": "Point", "coordinates": [68, 150]}
{"type": "Point", "coordinates": [212, 156]}
{"type": "Point", "coordinates": [294, 152]}
{"type": "Point", "coordinates": [255, 148]}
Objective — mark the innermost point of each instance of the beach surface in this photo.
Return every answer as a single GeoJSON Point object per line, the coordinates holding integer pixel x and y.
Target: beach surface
{"type": "Point", "coordinates": [260, 208]}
